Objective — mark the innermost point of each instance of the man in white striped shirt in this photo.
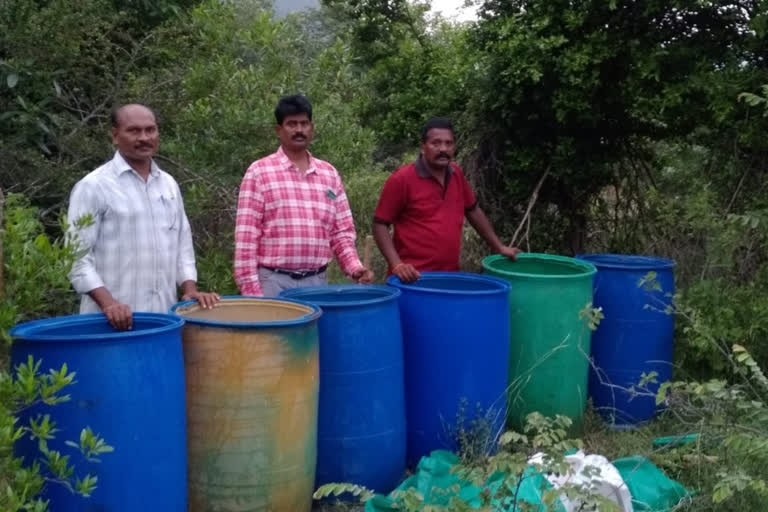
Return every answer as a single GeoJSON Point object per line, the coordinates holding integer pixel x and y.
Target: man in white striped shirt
{"type": "Point", "coordinates": [137, 245]}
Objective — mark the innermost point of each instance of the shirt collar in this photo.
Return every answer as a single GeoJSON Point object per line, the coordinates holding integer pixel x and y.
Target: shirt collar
{"type": "Point", "coordinates": [421, 168]}
{"type": "Point", "coordinates": [120, 166]}
{"type": "Point", "coordinates": [288, 163]}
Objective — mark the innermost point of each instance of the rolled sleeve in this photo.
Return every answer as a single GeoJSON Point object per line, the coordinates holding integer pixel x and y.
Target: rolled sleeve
{"type": "Point", "coordinates": [248, 230]}
{"type": "Point", "coordinates": [84, 216]}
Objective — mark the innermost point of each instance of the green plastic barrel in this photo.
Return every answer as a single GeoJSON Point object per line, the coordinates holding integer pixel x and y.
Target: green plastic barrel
{"type": "Point", "coordinates": [549, 334]}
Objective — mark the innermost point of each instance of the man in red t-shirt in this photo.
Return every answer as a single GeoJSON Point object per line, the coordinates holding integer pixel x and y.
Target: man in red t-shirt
{"type": "Point", "coordinates": [426, 202]}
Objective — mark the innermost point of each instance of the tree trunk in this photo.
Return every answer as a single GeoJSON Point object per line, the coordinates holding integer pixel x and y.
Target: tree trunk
{"type": "Point", "coordinates": [577, 232]}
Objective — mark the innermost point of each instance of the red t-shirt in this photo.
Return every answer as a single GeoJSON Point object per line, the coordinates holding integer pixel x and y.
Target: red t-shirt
{"type": "Point", "coordinates": [427, 216]}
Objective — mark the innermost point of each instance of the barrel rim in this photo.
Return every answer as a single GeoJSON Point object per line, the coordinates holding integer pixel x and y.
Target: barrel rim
{"type": "Point", "coordinates": [26, 331]}
{"type": "Point", "coordinates": [588, 268]}
{"type": "Point", "coordinates": [305, 293]}
{"type": "Point", "coordinates": [311, 316]}
{"type": "Point", "coordinates": [627, 261]}
{"type": "Point", "coordinates": [503, 286]}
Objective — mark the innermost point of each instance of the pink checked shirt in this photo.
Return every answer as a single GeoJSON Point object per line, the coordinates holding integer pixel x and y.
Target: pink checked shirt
{"type": "Point", "coordinates": [291, 220]}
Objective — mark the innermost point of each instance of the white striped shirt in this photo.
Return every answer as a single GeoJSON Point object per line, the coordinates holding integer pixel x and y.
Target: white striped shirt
{"type": "Point", "coordinates": [139, 245]}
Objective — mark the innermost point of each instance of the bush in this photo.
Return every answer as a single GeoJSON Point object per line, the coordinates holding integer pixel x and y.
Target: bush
{"type": "Point", "coordinates": [36, 267]}
{"type": "Point", "coordinates": [36, 282]}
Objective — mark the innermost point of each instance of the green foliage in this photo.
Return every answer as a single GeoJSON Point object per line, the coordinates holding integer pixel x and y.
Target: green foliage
{"type": "Point", "coordinates": [474, 432]}
{"type": "Point", "coordinates": [224, 67]}
{"type": "Point", "coordinates": [731, 420]}
{"type": "Point", "coordinates": [579, 86]}
{"type": "Point", "coordinates": [35, 275]}
{"type": "Point", "coordinates": [416, 68]}
{"type": "Point", "coordinates": [231, 63]}
{"type": "Point", "coordinates": [756, 100]}
{"type": "Point", "coordinates": [67, 64]}
{"type": "Point", "coordinates": [335, 490]}
{"type": "Point", "coordinates": [21, 481]}
{"type": "Point", "coordinates": [501, 475]}
{"type": "Point", "coordinates": [592, 316]}
{"type": "Point", "coordinates": [36, 267]}
{"type": "Point", "coordinates": [649, 115]}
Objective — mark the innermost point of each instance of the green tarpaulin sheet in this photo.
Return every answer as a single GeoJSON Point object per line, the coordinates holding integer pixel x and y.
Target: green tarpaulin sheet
{"type": "Point", "coordinates": [651, 489]}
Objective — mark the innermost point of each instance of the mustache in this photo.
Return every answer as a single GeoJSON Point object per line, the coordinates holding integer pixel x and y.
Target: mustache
{"type": "Point", "coordinates": [443, 155]}
{"type": "Point", "coordinates": [299, 136]}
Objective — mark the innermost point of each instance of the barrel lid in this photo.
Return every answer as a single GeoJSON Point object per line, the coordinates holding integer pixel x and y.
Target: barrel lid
{"type": "Point", "coordinates": [531, 265]}
{"type": "Point", "coordinates": [343, 296]}
{"type": "Point", "coordinates": [627, 261]}
{"type": "Point", "coordinates": [93, 326]}
{"type": "Point", "coordinates": [245, 312]}
{"type": "Point", "coordinates": [453, 283]}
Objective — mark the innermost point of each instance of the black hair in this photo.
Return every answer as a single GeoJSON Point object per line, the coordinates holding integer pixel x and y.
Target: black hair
{"type": "Point", "coordinates": [436, 122]}
{"type": "Point", "coordinates": [292, 105]}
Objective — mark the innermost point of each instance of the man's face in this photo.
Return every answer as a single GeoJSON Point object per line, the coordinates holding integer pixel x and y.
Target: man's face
{"type": "Point", "coordinates": [296, 132]}
{"type": "Point", "coordinates": [136, 134]}
{"type": "Point", "coordinates": [439, 147]}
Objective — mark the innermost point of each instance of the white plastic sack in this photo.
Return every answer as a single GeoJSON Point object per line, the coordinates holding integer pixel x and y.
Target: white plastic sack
{"type": "Point", "coordinates": [606, 482]}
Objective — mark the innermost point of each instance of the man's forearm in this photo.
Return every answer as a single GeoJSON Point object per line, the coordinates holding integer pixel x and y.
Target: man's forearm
{"type": "Point", "coordinates": [102, 297]}
{"type": "Point", "coordinates": [189, 286]}
{"type": "Point", "coordinates": [385, 243]}
{"type": "Point", "coordinates": [482, 225]}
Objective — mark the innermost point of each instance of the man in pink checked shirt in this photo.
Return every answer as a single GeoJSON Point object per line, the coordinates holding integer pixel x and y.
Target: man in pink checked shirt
{"type": "Point", "coordinates": [292, 214]}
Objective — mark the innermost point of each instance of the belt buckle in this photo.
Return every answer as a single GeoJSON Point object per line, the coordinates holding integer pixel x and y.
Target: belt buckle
{"type": "Point", "coordinates": [299, 274]}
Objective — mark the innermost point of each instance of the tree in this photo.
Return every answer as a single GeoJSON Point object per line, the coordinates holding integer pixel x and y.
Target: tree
{"type": "Point", "coordinates": [583, 87]}
{"type": "Point", "coordinates": [413, 67]}
{"type": "Point", "coordinates": [63, 66]}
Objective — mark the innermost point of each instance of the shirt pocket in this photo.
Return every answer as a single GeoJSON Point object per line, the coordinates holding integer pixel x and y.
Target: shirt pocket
{"type": "Point", "coordinates": [167, 203]}
{"type": "Point", "coordinates": [320, 201]}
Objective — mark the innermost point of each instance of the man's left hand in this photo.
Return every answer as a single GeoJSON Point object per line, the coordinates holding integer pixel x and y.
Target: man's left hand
{"type": "Point", "coordinates": [206, 299]}
{"type": "Point", "coordinates": [510, 252]}
{"type": "Point", "coordinates": [363, 276]}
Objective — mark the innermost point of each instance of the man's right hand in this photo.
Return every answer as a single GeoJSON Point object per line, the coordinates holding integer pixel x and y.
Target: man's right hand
{"type": "Point", "coordinates": [119, 316]}
{"type": "Point", "coordinates": [406, 272]}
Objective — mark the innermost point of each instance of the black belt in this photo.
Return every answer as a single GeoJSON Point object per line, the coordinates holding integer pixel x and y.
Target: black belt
{"type": "Point", "coordinates": [297, 274]}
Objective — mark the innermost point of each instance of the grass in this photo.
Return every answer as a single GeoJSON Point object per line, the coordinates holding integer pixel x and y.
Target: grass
{"type": "Point", "coordinates": [614, 444]}
{"type": "Point", "coordinates": [341, 507]}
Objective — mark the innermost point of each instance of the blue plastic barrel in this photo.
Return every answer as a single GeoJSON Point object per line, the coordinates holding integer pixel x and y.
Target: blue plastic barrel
{"type": "Point", "coordinates": [456, 352]}
{"type": "Point", "coordinates": [636, 336]}
{"type": "Point", "coordinates": [361, 418]}
{"type": "Point", "coordinates": [129, 388]}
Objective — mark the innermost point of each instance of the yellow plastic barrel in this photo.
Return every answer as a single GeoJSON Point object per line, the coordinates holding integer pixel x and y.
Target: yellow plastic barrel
{"type": "Point", "coordinates": [251, 368]}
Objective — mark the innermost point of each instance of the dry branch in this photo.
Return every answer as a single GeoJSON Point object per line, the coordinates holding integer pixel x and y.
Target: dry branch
{"type": "Point", "coordinates": [534, 196]}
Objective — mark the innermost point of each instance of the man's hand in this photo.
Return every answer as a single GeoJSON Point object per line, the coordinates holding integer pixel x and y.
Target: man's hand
{"type": "Point", "coordinates": [363, 276]}
{"type": "Point", "coordinates": [406, 272]}
{"type": "Point", "coordinates": [119, 316]}
{"type": "Point", "coordinates": [206, 299]}
{"type": "Point", "coordinates": [510, 252]}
